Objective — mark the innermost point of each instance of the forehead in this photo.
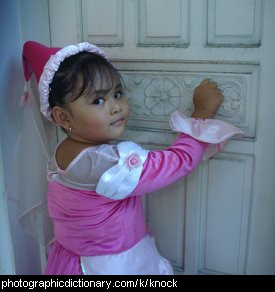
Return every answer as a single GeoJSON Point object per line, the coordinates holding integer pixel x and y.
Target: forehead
{"type": "Point", "coordinates": [105, 79]}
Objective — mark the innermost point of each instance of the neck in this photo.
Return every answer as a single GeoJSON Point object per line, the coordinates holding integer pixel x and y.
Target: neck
{"type": "Point", "coordinates": [82, 141]}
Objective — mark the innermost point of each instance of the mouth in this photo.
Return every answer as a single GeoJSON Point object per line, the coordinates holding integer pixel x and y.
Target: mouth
{"type": "Point", "coordinates": [118, 122]}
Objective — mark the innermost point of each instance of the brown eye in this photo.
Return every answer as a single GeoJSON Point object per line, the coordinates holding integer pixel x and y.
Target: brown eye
{"type": "Point", "coordinates": [99, 101]}
{"type": "Point", "coordinates": [118, 94]}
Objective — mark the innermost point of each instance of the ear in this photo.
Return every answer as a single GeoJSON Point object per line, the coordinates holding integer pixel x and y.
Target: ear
{"type": "Point", "coordinates": [62, 117]}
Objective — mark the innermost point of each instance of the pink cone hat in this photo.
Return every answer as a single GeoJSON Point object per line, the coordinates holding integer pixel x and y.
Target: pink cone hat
{"type": "Point", "coordinates": [44, 61]}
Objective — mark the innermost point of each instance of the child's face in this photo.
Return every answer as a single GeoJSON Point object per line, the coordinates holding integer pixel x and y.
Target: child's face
{"type": "Point", "coordinates": [101, 116]}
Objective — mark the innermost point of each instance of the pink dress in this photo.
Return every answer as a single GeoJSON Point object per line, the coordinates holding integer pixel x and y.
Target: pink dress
{"type": "Point", "coordinates": [96, 203]}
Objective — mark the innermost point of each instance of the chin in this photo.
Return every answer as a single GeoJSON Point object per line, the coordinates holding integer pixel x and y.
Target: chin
{"type": "Point", "coordinates": [119, 134]}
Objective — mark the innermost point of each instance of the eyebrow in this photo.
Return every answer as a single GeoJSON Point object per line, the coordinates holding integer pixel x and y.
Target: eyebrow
{"type": "Point", "coordinates": [102, 91]}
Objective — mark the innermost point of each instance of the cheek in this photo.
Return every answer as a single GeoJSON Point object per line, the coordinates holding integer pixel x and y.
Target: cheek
{"type": "Point", "coordinates": [88, 121]}
{"type": "Point", "coordinates": [126, 106]}
{"type": "Point", "coordinates": [96, 124]}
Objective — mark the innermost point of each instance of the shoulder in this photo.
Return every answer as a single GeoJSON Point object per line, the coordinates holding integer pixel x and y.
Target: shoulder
{"type": "Point", "coordinates": [81, 167]}
{"type": "Point", "coordinates": [68, 152]}
{"type": "Point", "coordinates": [113, 171]}
{"type": "Point", "coordinates": [121, 179]}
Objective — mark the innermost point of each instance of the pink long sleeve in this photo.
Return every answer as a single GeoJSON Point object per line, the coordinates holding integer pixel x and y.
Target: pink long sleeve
{"type": "Point", "coordinates": [164, 167]}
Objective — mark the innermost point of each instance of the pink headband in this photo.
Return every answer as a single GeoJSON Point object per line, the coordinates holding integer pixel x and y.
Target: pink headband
{"type": "Point", "coordinates": [44, 62]}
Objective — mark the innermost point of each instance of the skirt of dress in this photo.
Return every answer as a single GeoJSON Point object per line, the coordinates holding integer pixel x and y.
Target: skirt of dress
{"type": "Point", "coordinates": [61, 261]}
{"type": "Point", "coordinates": [141, 259]}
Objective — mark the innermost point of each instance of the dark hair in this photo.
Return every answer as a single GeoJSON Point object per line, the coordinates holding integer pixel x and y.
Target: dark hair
{"type": "Point", "coordinates": [76, 76]}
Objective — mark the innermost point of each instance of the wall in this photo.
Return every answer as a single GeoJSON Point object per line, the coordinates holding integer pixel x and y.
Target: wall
{"type": "Point", "coordinates": [18, 22]}
{"type": "Point", "coordinates": [11, 83]}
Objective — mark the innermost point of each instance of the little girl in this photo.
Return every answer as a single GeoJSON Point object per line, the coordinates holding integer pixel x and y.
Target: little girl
{"type": "Point", "coordinates": [95, 188]}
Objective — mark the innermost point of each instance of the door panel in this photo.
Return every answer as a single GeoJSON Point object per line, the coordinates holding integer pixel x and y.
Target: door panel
{"type": "Point", "coordinates": [234, 23]}
{"type": "Point", "coordinates": [225, 199]}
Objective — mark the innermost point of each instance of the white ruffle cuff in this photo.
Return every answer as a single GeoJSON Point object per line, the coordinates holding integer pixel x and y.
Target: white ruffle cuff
{"type": "Point", "coordinates": [215, 132]}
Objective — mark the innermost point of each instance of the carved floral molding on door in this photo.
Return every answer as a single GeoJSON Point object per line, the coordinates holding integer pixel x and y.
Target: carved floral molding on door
{"type": "Point", "coordinates": [155, 94]}
{"type": "Point", "coordinates": [163, 95]}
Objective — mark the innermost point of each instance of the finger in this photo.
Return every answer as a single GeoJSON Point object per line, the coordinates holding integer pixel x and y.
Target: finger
{"type": "Point", "coordinates": [205, 81]}
{"type": "Point", "coordinates": [213, 84]}
{"type": "Point", "coordinates": [221, 96]}
{"type": "Point", "coordinates": [210, 83]}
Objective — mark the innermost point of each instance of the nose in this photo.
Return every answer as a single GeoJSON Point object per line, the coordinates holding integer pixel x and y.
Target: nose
{"type": "Point", "coordinates": [115, 106]}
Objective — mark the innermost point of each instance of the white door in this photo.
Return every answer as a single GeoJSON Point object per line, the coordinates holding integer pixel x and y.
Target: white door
{"type": "Point", "coordinates": [219, 220]}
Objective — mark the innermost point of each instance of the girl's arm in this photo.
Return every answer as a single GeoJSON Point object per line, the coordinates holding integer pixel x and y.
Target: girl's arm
{"type": "Point", "coordinates": [140, 171]}
{"type": "Point", "coordinates": [163, 167]}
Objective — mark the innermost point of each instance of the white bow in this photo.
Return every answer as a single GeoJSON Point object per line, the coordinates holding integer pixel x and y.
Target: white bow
{"type": "Point", "coordinates": [121, 179]}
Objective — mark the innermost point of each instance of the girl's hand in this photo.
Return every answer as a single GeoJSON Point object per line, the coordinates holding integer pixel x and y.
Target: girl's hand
{"type": "Point", "coordinates": [207, 98]}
